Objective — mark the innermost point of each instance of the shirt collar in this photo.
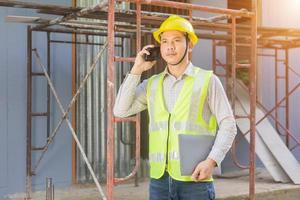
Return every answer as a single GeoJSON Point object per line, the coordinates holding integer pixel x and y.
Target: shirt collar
{"type": "Point", "coordinates": [188, 71]}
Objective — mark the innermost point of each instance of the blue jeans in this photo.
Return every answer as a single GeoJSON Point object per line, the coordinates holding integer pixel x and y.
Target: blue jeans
{"type": "Point", "coordinates": [166, 188]}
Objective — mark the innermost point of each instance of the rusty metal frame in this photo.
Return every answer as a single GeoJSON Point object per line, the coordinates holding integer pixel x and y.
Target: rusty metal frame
{"type": "Point", "coordinates": [279, 103]}
{"type": "Point", "coordinates": [31, 171]}
{"type": "Point", "coordinates": [111, 180]}
{"type": "Point", "coordinates": [265, 41]}
{"type": "Point", "coordinates": [233, 14]}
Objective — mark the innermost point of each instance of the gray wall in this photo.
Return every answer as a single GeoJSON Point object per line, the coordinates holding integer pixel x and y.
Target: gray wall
{"type": "Point", "coordinates": [202, 52]}
{"type": "Point", "coordinates": [13, 79]}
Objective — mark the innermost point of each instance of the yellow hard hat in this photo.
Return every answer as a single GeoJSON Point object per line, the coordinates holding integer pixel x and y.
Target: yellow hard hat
{"type": "Point", "coordinates": [175, 22]}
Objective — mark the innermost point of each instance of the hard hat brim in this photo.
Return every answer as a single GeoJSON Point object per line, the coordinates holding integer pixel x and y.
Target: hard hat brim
{"type": "Point", "coordinates": [193, 38]}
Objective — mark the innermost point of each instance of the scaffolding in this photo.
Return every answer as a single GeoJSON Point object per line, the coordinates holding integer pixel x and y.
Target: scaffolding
{"type": "Point", "coordinates": [225, 31]}
{"type": "Point", "coordinates": [285, 39]}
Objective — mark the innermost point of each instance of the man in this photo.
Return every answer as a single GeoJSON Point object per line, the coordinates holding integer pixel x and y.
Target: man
{"type": "Point", "coordinates": [183, 99]}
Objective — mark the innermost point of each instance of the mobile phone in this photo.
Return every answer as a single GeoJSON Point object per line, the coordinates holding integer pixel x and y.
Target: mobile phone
{"type": "Point", "coordinates": [154, 54]}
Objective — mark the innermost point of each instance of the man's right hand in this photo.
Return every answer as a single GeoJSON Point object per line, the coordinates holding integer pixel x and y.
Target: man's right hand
{"type": "Point", "coordinates": [140, 65]}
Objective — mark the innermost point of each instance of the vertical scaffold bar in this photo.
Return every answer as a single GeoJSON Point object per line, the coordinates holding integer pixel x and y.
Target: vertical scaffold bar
{"type": "Point", "coordinates": [110, 93]}
{"type": "Point", "coordinates": [287, 103]}
{"type": "Point", "coordinates": [276, 86]}
{"type": "Point", "coordinates": [138, 116]}
{"type": "Point", "coordinates": [214, 56]}
{"type": "Point", "coordinates": [29, 111]}
{"type": "Point", "coordinates": [73, 110]}
{"type": "Point", "coordinates": [252, 85]}
{"type": "Point", "coordinates": [48, 87]}
{"type": "Point", "coordinates": [233, 62]}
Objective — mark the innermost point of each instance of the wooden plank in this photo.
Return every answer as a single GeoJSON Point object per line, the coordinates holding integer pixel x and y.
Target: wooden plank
{"type": "Point", "coordinates": [25, 19]}
{"type": "Point", "coordinates": [34, 5]}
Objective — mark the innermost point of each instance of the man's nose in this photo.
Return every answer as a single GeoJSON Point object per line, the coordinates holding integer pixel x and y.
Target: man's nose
{"type": "Point", "coordinates": [171, 46]}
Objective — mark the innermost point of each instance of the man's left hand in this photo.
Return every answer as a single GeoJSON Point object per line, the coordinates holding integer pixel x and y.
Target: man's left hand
{"type": "Point", "coordinates": [204, 170]}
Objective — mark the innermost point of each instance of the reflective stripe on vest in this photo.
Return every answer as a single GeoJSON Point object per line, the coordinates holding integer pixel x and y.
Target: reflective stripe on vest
{"type": "Point", "coordinates": [159, 157]}
{"type": "Point", "coordinates": [186, 118]}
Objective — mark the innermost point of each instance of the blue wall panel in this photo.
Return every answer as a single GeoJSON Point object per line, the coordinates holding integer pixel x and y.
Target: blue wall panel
{"type": "Point", "coordinates": [3, 106]}
{"type": "Point", "coordinates": [16, 95]}
{"type": "Point", "coordinates": [13, 101]}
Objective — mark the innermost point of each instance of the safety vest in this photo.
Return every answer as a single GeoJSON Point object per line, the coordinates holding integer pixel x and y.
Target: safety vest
{"type": "Point", "coordinates": [185, 118]}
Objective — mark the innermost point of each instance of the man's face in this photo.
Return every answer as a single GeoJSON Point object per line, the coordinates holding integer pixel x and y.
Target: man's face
{"type": "Point", "coordinates": [173, 45]}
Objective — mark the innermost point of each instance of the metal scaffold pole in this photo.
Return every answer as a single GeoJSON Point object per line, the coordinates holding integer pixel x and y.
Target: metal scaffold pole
{"type": "Point", "coordinates": [110, 91]}
{"type": "Point", "coordinates": [252, 89]}
{"type": "Point", "coordinates": [29, 108]}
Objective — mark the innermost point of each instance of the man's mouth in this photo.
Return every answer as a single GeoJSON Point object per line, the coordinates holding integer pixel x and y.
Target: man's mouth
{"type": "Point", "coordinates": [171, 54]}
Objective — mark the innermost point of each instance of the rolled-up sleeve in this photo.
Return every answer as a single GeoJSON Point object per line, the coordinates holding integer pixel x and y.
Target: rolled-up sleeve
{"type": "Point", "coordinates": [220, 107]}
{"type": "Point", "coordinates": [131, 97]}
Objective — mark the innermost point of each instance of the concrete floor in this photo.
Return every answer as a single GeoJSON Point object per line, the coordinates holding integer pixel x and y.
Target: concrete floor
{"type": "Point", "coordinates": [230, 187]}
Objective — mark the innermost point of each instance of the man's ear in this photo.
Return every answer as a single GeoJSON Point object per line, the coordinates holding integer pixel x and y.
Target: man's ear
{"type": "Point", "coordinates": [191, 46]}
